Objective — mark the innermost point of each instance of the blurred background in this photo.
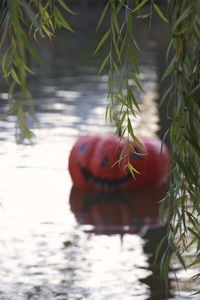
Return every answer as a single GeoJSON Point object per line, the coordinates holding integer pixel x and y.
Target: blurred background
{"type": "Point", "coordinates": [57, 242]}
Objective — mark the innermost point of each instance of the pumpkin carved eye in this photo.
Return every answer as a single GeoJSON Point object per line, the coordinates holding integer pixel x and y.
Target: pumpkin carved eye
{"type": "Point", "coordinates": [105, 162]}
{"type": "Point", "coordinates": [82, 148]}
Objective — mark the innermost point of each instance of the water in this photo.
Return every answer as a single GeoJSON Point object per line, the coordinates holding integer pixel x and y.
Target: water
{"type": "Point", "coordinates": [47, 249]}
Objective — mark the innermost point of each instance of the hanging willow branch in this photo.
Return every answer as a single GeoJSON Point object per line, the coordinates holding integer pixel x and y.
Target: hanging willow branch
{"type": "Point", "coordinates": [121, 58]}
{"type": "Point", "coordinates": [184, 94]}
{"type": "Point", "coordinates": [184, 91]}
{"type": "Point", "coordinates": [22, 22]}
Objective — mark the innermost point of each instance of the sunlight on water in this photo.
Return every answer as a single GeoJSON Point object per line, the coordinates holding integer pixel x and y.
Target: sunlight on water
{"type": "Point", "coordinates": [45, 251]}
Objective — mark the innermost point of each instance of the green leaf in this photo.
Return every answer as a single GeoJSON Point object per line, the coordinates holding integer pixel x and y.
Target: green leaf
{"type": "Point", "coordinates": [136, 81]}
{"type": "Point", "coordinates": [196, 234]}
{"type": "Point", "coordinates": [131, 169]}
{"type": "Point", "coordinates": [162, 211]}
{"type": "Point", "coordinates": [103, 14]}
{"type": "Point", "coordinates": [130, 24]}
{"type": "Point", "coordinates": [116, 45]}
{"type": "Point", "coordinates": [117, 70]}
{"type": "Point", "coordinates": [158, 248]}
{"type": "Point", "coordinates": [4, 65]}
{"type": "Point", "coordinates": [32, 49]}
{"type": "Point", "coordinates": [5, 30]}
{"type": "Point", "coordinates": [30, 14]}
{"type": "Point", "coordinates": [139, 143]}
{"type": "Point", "coordinates": [166, 93]}
{"type": "Point", "coordinates": [169, 69]}
{"type": "Point", "coordinates": [102, 41]}
{"type": "Point", "coordinates": [120, 122]}
{"type": "Point", "coordinates": [139, 6]}
{"type": "Point", "coordinates": [63, 4]}
{"type": "Point", "coordinates": [103, 65]}
{"type": "Point", "coordinates": [132, 97]}
{"type": "Point", "coordinates": [121, 100]}
{"type": "Point", "coordinates": [115, 21]}
{"type": "Point", "coordinates": [133, 59]}
{"type": "Point", "coordinates": [10, 92]}
{"type": "Point", "coordinates": [61, 20]}
{"type": "Point", "coordinates": [180, 259]}
{"type": "Point", "coordinates": [130, 128]}
{"type": "Point", "coordinates": [15, 76]}
{"type": "Point", "coordinates": [162, 261]}
{"type": "Point", "coordinates": [119, 89]}
{"type": "Point", "coordinates": [160, 12]}
{"type": "Point", "coordinates": [195, 262]}
{"type": "Point", "coordinates": [182, 17]}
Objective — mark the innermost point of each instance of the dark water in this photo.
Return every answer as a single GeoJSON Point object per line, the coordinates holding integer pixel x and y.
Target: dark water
{"type": "Point", "coordinates": [47, 249]}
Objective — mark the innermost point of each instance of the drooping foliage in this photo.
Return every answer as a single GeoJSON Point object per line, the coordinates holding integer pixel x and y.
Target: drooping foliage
{"type": "Point", "coordinates": [24, 21]}
{"type": "Point", "coordinates": [183, 93]}
{"type": "Point", "coordinates": [183, 60]}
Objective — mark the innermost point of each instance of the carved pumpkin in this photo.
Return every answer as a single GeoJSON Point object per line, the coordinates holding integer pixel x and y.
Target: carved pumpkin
{"type": "Point", "coordinates": [112, 212]}
{"type": "Point", "coordinates": [92, 158]}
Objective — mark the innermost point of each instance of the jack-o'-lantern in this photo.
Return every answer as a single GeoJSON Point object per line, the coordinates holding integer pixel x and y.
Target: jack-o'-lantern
{"type": "Point", "coordinates": [92, 163]}
{"type": "Point", "coordinates": [118, 212]}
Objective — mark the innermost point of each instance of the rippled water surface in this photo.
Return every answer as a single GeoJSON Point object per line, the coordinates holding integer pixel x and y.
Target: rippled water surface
{"type": "Point", "coordinates": [47, 249]}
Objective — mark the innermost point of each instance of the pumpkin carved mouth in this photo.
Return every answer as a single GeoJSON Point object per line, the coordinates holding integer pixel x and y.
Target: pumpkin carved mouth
{"type": "Point", "coordinates": [104, 182]}
{"type": "Point", "coordinates": [92, 159]}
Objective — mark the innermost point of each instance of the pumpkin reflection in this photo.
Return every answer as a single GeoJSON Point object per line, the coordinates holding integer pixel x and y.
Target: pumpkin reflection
{"type": "Point", "coordinates": [118, 212]}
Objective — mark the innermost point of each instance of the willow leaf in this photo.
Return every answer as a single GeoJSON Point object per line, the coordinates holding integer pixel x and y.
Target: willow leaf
{"type": "Point", "coordinates": [4, 65]}
{"type": "Point", "coordinates": [64, 5]}
{"type": "Point", "coordinates": [166, 93]}
{"type": "Point", "coordinates": [120, 122]}
{"type": "Point", "coordinates": [27, 68]}
{"type": "Point", "coordinates": [103, 15]}
{"type": "Point", "coordinates": [196, 234]}
{"type": "Point", "coordinates": [103, 65]}
{"type": "Point", "coordinates": [133, 59]}
{"type": "Point", "coordinates": [195, 262]}
{"type": "Point", "coordinates": [102, 41]}
{"type": "Point", "coordinates": [162, 211]}
{"type": "Point", "coordinates": [182, 17]}
{"type": "Point", "coordinates": [160, 12]}
{"type": "Point", "coordinates": [119, 89]}
{"type": "Point", "coordinates": [5, 29]}
{"type": "Point", "coordinates": [121, 100]}
{"type": "Point", "coordinates": [15, 76]}
{"type": "Point", "coordinates": [169, 69]}
{"type": "Point", "coordinates": [130, 25]}
{"type": "Point", "coordinates": [180, 259]}
{"type": "Point", "coordinates": [132, 97]}
{"type": "Point", "coordinates": [130, 128]}
{"type": "Point", "coordinates": [117, 70]}
{"type": "Point", "coordinates": [32, 49]}
{"type": "Point", "coordinates": [136, 81]}
{"type": "Point", "coordinates": [158, 248]}
{"type": "Point", "coordinates": [115, 21]}
{"type": "Point", "coordinates": [139, 6]}
{"type": "Point", "coordinates": [116, 44]}
{"type": "Point", "coordinates": [61, 20]}
{"type": "Point", "coordinates": [139, 143]}
{"type": "Point", "coordinates": [30, 14]}
{"type": "Point", "coordinates": [131, 169]}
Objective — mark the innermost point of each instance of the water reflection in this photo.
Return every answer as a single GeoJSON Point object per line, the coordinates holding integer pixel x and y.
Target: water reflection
{"type": "Point", "coordinates": [121, 213]}
{"type": "Point", "coordinates": [44, 253]}
{"type": "Point", "coordinates": [118, 212]}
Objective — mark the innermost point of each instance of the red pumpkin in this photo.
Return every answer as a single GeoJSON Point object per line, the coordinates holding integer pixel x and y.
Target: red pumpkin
{"type": "Point", "coordinates": [117, 211]}
{"type": "Point", "coordinates": [92, 163]}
